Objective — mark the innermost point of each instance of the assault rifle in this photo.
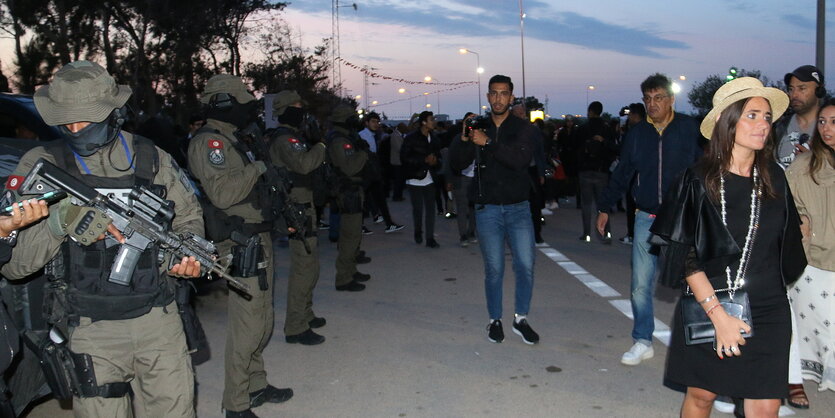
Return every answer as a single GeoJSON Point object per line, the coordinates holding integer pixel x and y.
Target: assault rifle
{"type": "Point", "coordinates": [277, 197]}
{"type": "Point", "coordinates": [145, 220]}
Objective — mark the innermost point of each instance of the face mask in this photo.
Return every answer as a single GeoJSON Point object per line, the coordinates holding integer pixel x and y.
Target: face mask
{"type": "Point", "coordinates": [94, 136]}
{"type": "Point", "coordinates": [293, 116]}
{"type": "Point", "coordinates": [238, 114]}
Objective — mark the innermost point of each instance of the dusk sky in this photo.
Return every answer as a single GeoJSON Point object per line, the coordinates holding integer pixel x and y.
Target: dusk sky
{"type": "Point", "coordinates": [612, 45]}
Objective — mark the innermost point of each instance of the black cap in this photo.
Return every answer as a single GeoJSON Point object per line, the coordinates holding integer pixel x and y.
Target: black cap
{"type": "Point", "coordinates": [805, 73]}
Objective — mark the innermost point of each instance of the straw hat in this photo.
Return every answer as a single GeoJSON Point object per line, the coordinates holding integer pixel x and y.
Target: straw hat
{"type": "Point", "coordinates": [81, 91]}
{"type": "Point", "coordinates": [739, 89]}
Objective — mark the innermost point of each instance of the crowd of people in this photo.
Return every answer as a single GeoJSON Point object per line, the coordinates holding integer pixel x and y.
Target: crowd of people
{"type": "Point", "coordinates": [731, 209]}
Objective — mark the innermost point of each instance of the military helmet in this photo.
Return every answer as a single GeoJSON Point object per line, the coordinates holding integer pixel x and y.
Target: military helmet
{"type": "Point", "coordinates": [284, 99]}
{"type": "Point", "coordinates": [81, 91]}
{"type": "Point", "coordinates": [229, 84]}
{"type": "Point", "coordinates": [341, 113]}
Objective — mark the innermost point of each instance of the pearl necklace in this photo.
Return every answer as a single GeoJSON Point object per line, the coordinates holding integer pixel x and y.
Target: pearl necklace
{"type": "Point", "coordinates": [753, 225]}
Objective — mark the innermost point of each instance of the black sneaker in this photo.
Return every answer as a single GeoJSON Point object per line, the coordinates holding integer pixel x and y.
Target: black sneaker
{"type": "Point", "coordinates": [418, 237]}
{"type": "Point", "coordinates": [269, 394]}
{"type": "Point", "coordinates": [317, 322]}
{"type": "Point", "coordinates": [362, 259]}
{"type": "Point", "coordinates": [366, 231]}
{"type": "Point", "coordinates": [495, 333]}
{"type": "Point", "coordinates": [431, 243]}
{"type": "Point", "coordinates": [323, 226]}
{"type": "Point", "coordinates": [393, 228]}
{"type": "Point", "coordinates": [306, 338]}
{"type": "Point", "coordinates": [361, 277]}
{"type": "Point", "coordinates": [352, 286]}
{"type": "Point", "coordinates": [522, 329]}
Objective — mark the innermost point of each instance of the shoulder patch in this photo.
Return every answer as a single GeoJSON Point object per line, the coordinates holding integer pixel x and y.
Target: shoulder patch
{"type": "Point", "coordinates": [292, 140]}
{"type": "Point", "coordinates": [215, 144]}
{"type": "Point", "coordinates": [14, 182]}
{"type": "Point", "coordinates": [347, 146]}
{"type": "Point", "coordinates": [216, 156]}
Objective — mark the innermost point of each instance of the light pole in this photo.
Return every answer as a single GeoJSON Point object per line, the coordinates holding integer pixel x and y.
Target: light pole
{"type": "Point", "coordinates": [588, 89]}
{"type": "Point", "coordinates": [478, 69]}
{"type": "Point", "coordinates": [522, 37]}
{"type": "Point", "coordinates": [336, 51]}
{"type": "Point", "coordinates": [401, 90]}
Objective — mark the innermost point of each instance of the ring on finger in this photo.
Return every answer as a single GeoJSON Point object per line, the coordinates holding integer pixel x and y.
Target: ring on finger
{"type": "Point", "coordinates": [734, 349]}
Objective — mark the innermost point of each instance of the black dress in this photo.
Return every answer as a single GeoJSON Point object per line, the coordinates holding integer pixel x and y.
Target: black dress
{"type": "Point", "coordinates": [761, 372]}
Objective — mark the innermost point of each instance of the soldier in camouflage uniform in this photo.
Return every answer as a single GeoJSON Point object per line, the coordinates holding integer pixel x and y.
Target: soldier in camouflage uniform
{"type": "Point", "coordinates": [348, 154]}
{"type": "Point", "coordinates": [230, 177]}
{"type": "Point", "coordinates": [290, 150]}
{"type": "Point", "coordinates": [133, 335]}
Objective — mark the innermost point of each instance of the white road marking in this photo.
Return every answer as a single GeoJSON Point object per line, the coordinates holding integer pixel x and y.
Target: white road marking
{"type": "Point", "coordinates": [624, 306]}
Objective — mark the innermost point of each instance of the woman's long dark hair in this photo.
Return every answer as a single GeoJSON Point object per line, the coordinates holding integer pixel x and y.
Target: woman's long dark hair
{"type": "Point", "coordinates": [717, 160]}
{"type": "Point", "coordinates": [821, 153]}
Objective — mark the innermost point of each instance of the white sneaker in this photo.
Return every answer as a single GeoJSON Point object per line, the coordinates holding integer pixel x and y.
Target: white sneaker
{"type": "Point", "coordinates": [546, 211]}
{"type": "Point", "coordinates": [637, 354]}
{"type": "Point", "coordinates": [724, 407]}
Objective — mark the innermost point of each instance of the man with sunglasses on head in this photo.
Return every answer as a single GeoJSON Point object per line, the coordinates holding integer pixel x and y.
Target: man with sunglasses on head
{"type": "Point", "coordinates": [805, 87]}
{"type": "Point", "coordinates": [657, 149]}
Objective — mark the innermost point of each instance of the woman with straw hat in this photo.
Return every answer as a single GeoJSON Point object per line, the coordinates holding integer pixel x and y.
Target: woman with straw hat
{"type": "Point", "coordinates": [731, 229]}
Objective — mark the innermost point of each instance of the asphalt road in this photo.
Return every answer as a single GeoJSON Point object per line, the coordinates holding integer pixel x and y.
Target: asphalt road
{"type": "Point", "coordinates": [414, 343]}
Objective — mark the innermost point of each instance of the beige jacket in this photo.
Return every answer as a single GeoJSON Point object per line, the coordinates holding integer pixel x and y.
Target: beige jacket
{"type": "Point", "coordinates": [817, 202]}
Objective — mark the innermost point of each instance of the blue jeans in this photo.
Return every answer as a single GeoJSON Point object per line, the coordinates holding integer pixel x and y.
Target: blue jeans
{"type": "Point", "coordinates": [643, 280]}
{"type": "Point", "coordinates": [495, 223]}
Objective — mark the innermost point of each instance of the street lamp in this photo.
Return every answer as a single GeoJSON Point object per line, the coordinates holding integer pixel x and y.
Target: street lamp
{"type": "Point", "coordinates": [479, 70]}
{"type": "Point", "coordinates": [588, 89]}
{"type": "Point", "coordinates": [427, 79]}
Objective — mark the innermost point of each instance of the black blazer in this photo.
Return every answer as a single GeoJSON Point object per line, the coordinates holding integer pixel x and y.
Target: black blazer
{"type": "Point", "coordinates": [688, 219]}
{"type": "Point", "coordinates": [416, 147]}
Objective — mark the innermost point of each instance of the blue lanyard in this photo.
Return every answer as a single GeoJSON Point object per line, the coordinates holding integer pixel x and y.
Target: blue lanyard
{"type": "Point", "coordinates": [124, 145]}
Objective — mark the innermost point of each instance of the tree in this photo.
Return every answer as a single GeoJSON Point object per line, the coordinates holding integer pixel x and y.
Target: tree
{"type": "Point", "coordinates": [701, 96]}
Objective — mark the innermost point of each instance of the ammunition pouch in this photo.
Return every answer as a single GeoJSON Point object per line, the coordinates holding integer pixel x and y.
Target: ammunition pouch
{"type": "Point", "coordinates": [69, 374]}
{"type": "Point", "coordinates": [219, 225]}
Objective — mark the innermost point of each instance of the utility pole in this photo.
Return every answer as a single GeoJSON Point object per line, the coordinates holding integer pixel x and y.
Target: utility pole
{"type": "Point", "coordinates": [820, 49]}
{"type": "Point", "coordinates": [522, 37]}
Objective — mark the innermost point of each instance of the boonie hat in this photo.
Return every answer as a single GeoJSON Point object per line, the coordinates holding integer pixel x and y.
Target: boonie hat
{"type": "Point", "coordinates": [284, 99]}
{"type": "Point", "coordinates": [739, 89]}
{"type": "Point", "coordinates": [81, 91]}
{"type": "Point", "coordinates": [341, 113]}
{"type": "Point", "coordinates": [805, 73]}
{"type": "Point", "coordinates": [229, 84]}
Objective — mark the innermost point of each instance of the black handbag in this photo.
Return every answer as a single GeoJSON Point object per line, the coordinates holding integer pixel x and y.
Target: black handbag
{"type": "Point", "coordinates": [697, 326]}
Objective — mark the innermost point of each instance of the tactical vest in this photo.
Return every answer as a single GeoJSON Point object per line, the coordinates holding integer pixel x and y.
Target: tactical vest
{"type": "Point", "coordinates": [87, 268]}
{"type": "Point", "coordinates": [298, 180]}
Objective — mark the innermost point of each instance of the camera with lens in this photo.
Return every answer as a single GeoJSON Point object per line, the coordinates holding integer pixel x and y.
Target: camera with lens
{"type": "Point", "coordinates": [478, 122]}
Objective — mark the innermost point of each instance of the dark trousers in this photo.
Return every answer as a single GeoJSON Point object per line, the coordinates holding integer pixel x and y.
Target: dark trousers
{"type": "Point", "coordinates": [376, 201]}
{"type": "Point", "coordinates": [398, 182]}
{"type": "Point", "coordinates": [537, 200]}
{"type": "Point", "coordinates": [592, 184]}
{"type": "Point", "coordinates": [423, 202]}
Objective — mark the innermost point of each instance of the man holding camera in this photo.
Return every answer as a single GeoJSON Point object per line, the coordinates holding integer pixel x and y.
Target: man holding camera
{"type": "Point", "coordinates": [501, 147]}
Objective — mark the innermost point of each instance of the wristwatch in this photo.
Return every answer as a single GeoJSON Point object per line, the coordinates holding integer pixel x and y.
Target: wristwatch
{"type": "Point", "coordinates": [11, 240]}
